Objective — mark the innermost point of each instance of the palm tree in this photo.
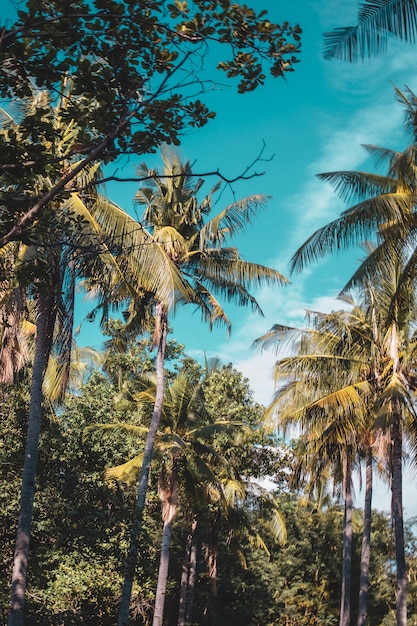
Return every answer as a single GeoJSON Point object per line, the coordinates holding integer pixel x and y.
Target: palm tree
{"type": "Point", "coordinates": [192, 472]}
{"type": "Point", "coordinates": [77, 242]}
{"type": "Point", "coordinates": [377, 21]}
{"type": "Point", "coordinates": [320, 394]}
{"type": "Point", "coordinates": [378, 352]}
{"type": "Point", "coordinates": [386, 209]}
{"type": "Point", "coordinates": [176, 219]}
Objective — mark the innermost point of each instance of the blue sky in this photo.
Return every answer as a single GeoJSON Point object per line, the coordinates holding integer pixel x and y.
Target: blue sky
{"type": "Point", "coordinates": [313, 122]}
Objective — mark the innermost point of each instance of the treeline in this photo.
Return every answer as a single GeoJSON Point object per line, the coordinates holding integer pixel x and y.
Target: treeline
{"type": "Point", "coordinates": [245, 570]}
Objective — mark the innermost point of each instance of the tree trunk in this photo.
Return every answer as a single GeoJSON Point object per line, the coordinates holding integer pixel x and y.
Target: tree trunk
{"type": "Point", "coordinates": [397, 514]}
{"type": "Point", "coordinates": [366, 541]}
{"type": "Point", "coordinates": [162, 326]}
{"type": "Point", "coordinates": [162, 574]}
{"type": "Point", "coordinates": [27, 495]}
{"type": "Point", "coordinates": [347, 544]}
{"type": "Point", "coordinates": [168, 492]}
{"type": "Point", "coordinates": [191, 581]}
{"type": "Point", "coordinates": [185, 575]}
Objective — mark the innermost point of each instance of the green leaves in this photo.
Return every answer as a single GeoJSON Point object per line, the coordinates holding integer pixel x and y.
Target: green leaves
{"type": "Point", "coordinates": [137, 46]}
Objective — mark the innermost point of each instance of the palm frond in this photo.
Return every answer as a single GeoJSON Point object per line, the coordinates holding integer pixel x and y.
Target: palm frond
{"type": "Point", "coordinates": [376, 20]}
{"type": "Point", "coordinates": [232, 220]}
{"type": "Point", "coordinates": [355, 225]}
{"type": "Point", "coordinates": [127, 472]}
{"type": "Point", "coordinates": [355, 186]}
{"type": "Point", "coordinates": [234, 490]}
{"type": "Point", "coordinates": [140, 431]}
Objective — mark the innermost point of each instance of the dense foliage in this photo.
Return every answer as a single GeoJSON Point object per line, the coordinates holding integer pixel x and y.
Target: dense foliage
{"type": "Point", "coordinates": [81, 526]}
{"type": "Point", "coordinates": [131, 74]}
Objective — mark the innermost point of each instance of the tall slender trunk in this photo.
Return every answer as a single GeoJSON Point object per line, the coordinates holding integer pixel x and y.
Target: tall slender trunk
{"type": "Point", "coordinates": [27, 495]}
{"type": "Point", "coordinates": [185, 574]}
{"type": "Point", "coordinates": [347, 543]}
{"type": "Point", "coordinates": [162, 326]}
{"type": "Point", "coordinates": [366, 540]}
{"type": "Point", "coordinates": [192, 574]}
{"type": "Point", "coordinates": [162, 574]}
{"type": "Point", "coordinates": [169, 495]}
{"type": "Point", "coordinates": [397, 514]}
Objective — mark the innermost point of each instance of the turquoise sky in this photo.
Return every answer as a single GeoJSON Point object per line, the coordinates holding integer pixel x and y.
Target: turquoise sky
{"type": "Point", "coordinates": [313, 122]}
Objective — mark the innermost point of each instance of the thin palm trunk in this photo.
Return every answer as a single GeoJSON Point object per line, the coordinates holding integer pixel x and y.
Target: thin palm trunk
{"type": "Point", "coordinates": [185, 575]}
{"type": "Point", "coordinates": [192, 573]}
{"type": "Point", "coordinates": [347, 544]}
{"type": "Point", "coordinates": [162, 326]}
{"type": "Point", "coordinates": [18, 587]}
{"type": "Point", "coordinates": [397, 513]}
{"type": "Point", "coordinates": [366, 541]}
{"type": "Point", "coordinates": [169, 495]}
{"type": "Point", "coordinates": [162, 574]}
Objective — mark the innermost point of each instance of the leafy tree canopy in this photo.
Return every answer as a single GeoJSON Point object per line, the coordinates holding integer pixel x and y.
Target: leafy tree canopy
{"type": "Point", "coordinates": [131, 73]}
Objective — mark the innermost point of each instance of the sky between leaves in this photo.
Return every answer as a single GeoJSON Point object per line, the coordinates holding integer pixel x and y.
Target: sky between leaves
{"type": "Point", "coordinates": [315, 121]}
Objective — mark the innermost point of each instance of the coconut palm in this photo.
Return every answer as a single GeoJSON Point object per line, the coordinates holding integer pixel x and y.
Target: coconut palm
{"type": "Point", "coordinates": [385, 210]}
{"type": "Point", "coordinates": [78, 241]}
{"type": "Point", "coordinates": [196, 244]}
{"type": "Point", "coordinates": [192, 472]}
{"type": "Point", "coordinates": [371, 378]}
{"type": "Point", "coordinates": [378, 20]}
{"type": "Point", "coordinates": [321, 396]}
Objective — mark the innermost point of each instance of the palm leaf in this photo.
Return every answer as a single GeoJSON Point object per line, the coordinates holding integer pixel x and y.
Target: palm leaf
{"type": "Point", "coordinates": [140, 431]}
{"type": "Point", "coordinates": [127, 472]}
{"type": "Point", "coordinates": [376, 20]}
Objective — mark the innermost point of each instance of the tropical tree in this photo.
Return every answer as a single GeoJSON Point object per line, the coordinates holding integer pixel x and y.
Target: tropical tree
{"type": "Point", "coordinates": [176, 219]}
{"type": "Point", "coordinates": [45, 268]}
{"type": "Point", "coordinates": [386, 210]}
{"type": "Point", "coordinates": [192, 472]}
{"type": "Point", "coordinates": [140, 82]}
{"type": "Point", "coordinates": [380, 345]}
{"type": "Point", "coordinates": [319, 391]}
{"type": "Point", "coordinates": [383, 207]}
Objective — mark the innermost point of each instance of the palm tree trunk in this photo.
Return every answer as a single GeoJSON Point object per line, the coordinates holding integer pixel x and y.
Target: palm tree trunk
{"type": "Point", "coordinates": [397, 513]}
{"type": "Point", "coordinates": [185, 574]}
{"type": "Point", "coordinates": [162, 574]}
{"type": "Point", "coordinates": [191, 581]}
{"type": "Point", "coordinates": [169, 495]}
{"type": "Point", "coordinates": [27, 495]}
{"type": "Point", "coordinates": [366, 540]}
{"type": "Point", "coordinates": [347, 544]}
{"type": "Point", "coordinates": [162, 325]}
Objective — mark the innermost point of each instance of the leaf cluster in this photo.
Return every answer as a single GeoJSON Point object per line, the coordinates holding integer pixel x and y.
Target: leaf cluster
{"type": "Point", "coordinates": [135, 65]}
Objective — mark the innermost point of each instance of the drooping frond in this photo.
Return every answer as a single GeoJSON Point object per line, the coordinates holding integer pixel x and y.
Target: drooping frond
{"type": "Point", "coordinates": [357, 186]}
{"type": "Point", "coordinates": [131, 254]}
{"type": "Point", "coordinates": [231, 221]}
{"type": "Point", "coordinates": [377, 19]}
{"type": "Point", "coordinates": [408, 100]}
{"type": "Point", "coordinates": [234, 490]}
{"type": "Point", "coordinates": [381, 155]}
{"type": "Point", "coordinates": [140, 431]}
{"type": "Point", "coordinates": [279, 337]}
{"type": "Point", "coordinates": [355, 225]}
{"type": "Point", "coordinates": [226, 265]}
{"type": "Point", "coordinates": [126, 472]}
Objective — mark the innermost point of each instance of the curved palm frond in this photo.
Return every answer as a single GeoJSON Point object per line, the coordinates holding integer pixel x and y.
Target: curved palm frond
{"type": "Point", "coordinates": [231, 221]}
{"type": "Point", "coordinates": [355, 225]}
{"type": "Point", "coordinates": [127, 472]}
{"type": "Point", "coordinates": [377, 19]}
